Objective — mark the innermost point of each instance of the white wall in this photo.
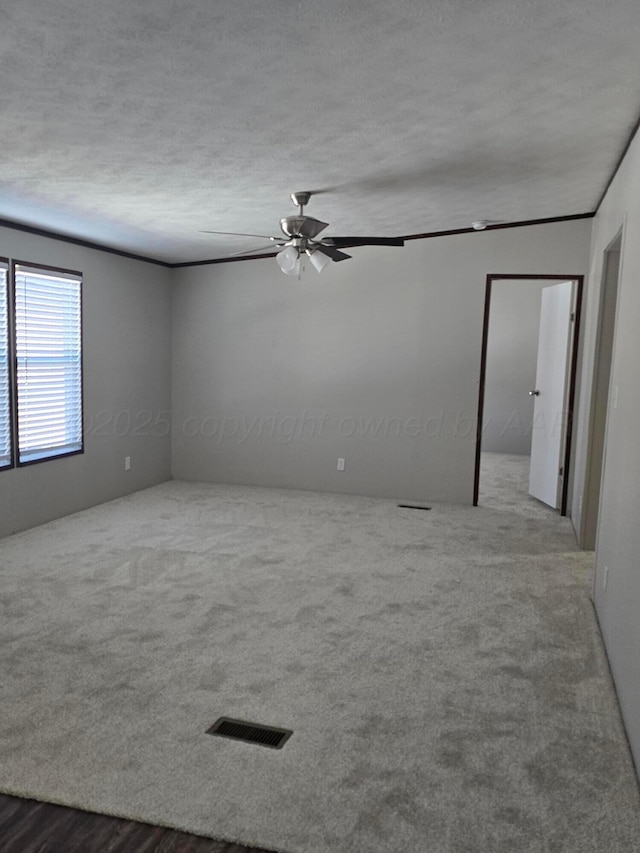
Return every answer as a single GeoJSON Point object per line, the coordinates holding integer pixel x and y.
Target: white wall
{"type": "Point", "coordinates": [127, 377]}
{"type": "Point", "coordinates": [377, 361]}
{"type": "Point", "coordinates": [512, 349]}
{"type": "Point", "coordinates": [618, 543]}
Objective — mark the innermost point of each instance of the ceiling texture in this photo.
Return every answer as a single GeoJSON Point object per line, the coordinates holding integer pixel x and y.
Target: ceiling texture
{"type": "Point", "coordinates": [139, 123]}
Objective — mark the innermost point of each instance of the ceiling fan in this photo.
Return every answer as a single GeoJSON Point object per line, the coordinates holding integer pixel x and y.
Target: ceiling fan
{"type": "Point", "coordinates": [300, 241]}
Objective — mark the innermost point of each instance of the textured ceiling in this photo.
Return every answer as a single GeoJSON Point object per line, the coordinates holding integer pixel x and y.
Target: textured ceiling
{"type": "Point", "coordinates": [137, 124]}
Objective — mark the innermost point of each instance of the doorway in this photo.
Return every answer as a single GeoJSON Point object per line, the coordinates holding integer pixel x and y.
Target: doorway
{"type": "Point", "coordinates": [510, 408]}
{"type": "Point", "coordinates": [601, 392]}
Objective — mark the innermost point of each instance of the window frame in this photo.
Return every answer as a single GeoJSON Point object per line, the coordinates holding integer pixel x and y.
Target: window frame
{"type": "Point", "coordinates": [12, 295]}
{"type": "Point", "coordinates": [5, 264]}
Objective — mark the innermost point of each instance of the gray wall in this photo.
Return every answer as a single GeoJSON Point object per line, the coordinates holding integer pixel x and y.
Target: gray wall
{"type": "Point", "coordinates": [127, 378]}
{"type": "Point", "coordinates": [618, 540]}
{"type": "Point", "coordinates": [376, 360]}
{"type": "Point", "coordinates": [512, 350]}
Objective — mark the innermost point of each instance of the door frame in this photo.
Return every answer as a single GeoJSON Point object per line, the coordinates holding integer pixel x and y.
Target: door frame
{"type": "Point", "coordinates": [590, 498]}
{"type": "Point", "coordinates": [573, 372]}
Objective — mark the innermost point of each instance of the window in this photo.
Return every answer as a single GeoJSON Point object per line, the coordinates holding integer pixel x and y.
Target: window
{"type": "Point", "coordinates": [48, 362]}
{"type": "Point", "coordinates": [6, 458]}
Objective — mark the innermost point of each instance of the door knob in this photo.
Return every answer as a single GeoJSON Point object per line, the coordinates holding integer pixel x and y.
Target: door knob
{"type": "Point", "coordinates": [534, 393]}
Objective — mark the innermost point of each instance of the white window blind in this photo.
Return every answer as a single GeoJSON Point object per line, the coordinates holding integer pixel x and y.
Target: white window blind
{"type": "Point", "coordinates": [5, 399]}
{"type": "Point", "coordinates": [48, 337]}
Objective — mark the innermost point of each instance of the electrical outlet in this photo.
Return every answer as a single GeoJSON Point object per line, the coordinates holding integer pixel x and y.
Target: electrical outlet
{"type": "Point", "coordinates": [127, 463]}
{"type": "Point", "coordinates": [340, 464]}
{"type": "Point", "coordinates": [605, 577]}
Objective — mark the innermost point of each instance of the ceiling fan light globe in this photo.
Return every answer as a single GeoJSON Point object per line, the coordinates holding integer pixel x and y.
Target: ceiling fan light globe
{"type": "Point", "coordinates": [289, 260]}
{"type": "Point", "coordinates": [318, 259]}
{"type": "Point", "coordinates": [295, 272]}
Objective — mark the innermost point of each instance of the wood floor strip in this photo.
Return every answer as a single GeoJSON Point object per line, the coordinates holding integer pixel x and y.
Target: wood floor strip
{"type": "Point", "coordinates": [28, 826]}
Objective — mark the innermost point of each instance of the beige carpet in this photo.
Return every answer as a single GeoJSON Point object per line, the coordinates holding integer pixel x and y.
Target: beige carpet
{"type": "Point", "coordinates": [442, 672]}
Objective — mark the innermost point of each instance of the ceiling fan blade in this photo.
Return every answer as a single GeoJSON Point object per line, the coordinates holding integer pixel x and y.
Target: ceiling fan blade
{"type": "Point", "coordinates": [240, 234]}
{"type": "Point", "coordinates": [256, 249]}
{"type": "Point", "coordinates": [365, 241]}
{"type": "Point", "coordinates": [332, 252]}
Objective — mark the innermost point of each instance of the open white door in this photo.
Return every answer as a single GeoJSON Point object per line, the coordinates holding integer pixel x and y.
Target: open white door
{"type": "Point", "coordinates": [550, 393]}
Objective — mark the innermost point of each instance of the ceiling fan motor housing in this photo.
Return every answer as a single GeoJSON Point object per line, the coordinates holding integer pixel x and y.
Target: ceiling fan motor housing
{"type": "Point", "coordinates": [302, 226]}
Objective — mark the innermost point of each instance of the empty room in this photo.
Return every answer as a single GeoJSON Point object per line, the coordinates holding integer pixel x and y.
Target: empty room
{"type": "Point", "coordinates": [319, 456]}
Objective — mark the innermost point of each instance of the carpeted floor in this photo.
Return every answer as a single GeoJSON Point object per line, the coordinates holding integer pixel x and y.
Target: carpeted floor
{"type": "Point", "coordinates": [504, 486]}
{"type": "Point", "coordinates": [442, 672]}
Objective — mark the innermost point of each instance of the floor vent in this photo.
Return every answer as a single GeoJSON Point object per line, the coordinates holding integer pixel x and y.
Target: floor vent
{"type": "Point", "coordinates": [250, 732]}
{"type": "Point", "coordinates": [413, 506]}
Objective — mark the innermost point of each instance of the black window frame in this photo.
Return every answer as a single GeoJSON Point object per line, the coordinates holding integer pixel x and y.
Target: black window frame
{"type": "Point", "coordinates": [12, 264]}
{"type": "Point", "coordinates": [6, 264]}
